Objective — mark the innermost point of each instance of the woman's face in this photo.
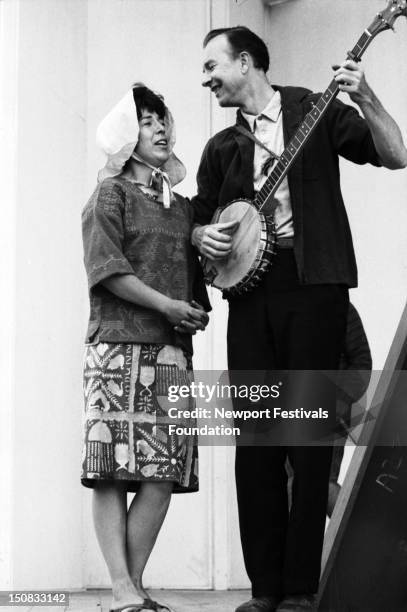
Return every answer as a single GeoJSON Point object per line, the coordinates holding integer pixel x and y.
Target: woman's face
{"type": "Point", "coordinates": [153, 143]}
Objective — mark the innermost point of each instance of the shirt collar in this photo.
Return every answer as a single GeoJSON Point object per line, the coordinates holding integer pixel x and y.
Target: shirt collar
{"type": "Point", "coordinates": [271, 111]}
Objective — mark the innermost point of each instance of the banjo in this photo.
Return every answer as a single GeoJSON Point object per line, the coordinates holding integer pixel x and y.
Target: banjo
{"type": "Point", "coordinates": [254, 242]}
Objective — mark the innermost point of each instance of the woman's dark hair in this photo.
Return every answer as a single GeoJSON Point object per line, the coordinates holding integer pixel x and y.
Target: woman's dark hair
{"type": "Point", "coordinates": [145, 99]}
{"type": "Point", "coordinates": [241, 39]}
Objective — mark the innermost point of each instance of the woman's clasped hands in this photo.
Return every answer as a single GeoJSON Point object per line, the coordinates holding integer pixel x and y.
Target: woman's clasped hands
{"type": "Point", "coordinates": [187, 317]}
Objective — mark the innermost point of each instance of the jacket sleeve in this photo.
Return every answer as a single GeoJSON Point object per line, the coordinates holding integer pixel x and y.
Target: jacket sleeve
{"type": "Point", "coordinates": [103, 234]}
{"type": "Point", "coordinates": [209, 182]}
{"type": "Point", "coordinates": [350, 135]}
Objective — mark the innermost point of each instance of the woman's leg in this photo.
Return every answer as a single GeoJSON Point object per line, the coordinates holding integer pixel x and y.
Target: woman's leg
{"type": "Point", "coordinates": [110, 520]}
{"type": "Point", "coordinates": [144, 519]}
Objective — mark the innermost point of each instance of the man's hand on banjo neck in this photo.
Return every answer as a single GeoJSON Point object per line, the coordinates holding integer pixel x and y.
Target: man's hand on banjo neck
{"type": "Point", "coordinates": [214, 241]}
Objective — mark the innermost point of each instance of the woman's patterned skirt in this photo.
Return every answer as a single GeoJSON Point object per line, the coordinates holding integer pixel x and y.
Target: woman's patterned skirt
{"type": "Point", "coordinates": [127, 433]}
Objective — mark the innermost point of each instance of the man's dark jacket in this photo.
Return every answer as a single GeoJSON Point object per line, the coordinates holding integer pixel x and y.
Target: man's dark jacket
{"type": "Point", "coordinates": [323, 243]}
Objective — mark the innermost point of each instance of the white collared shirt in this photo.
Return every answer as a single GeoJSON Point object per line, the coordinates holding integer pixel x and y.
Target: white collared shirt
{"type": "Point", "coordinates": [268, 128]}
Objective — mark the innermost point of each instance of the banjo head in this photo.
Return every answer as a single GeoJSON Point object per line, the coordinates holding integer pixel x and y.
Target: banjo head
{"type": "Point", "coordinates": [252, 248]}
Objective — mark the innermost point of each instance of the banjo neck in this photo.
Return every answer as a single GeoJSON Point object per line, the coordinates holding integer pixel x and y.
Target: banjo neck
{"type": "Point", "coordinates": [383, 21]}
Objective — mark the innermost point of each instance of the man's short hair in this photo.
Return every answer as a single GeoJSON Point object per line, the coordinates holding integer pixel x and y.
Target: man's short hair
{"type": "Point", "coordinates": [241, 39]}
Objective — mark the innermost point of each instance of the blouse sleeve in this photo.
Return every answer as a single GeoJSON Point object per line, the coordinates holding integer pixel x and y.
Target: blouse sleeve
{"type": "Point", "coordinates": [103, 234]}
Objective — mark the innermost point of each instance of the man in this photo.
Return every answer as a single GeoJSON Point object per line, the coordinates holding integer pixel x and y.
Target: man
{"type": "Point", "coordinates": [296, 318]}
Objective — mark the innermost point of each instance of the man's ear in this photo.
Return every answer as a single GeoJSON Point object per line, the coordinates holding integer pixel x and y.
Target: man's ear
{"type": "Point", "coordinates": [245, 61]}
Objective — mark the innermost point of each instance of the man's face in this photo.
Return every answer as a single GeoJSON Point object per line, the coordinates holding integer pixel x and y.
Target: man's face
{"type": "Point", "coordinates": [222, 72]}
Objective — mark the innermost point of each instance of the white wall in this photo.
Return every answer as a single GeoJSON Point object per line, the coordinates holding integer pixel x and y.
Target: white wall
{"type": "Point", "coordinates": [49, 165]}
{"type": "Point", "coordinates": [8, 162]}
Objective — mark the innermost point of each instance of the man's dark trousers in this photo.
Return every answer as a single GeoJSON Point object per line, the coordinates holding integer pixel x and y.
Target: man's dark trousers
{"type": "Point", "coordinates": [283, 325]}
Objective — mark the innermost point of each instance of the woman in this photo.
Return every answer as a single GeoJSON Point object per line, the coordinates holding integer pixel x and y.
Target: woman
{"type": "Point", "coordinates": [142, 273]}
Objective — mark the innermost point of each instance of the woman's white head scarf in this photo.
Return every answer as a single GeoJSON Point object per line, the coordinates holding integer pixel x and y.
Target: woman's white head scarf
{"type": "Point", "coordinates": [117, 136]}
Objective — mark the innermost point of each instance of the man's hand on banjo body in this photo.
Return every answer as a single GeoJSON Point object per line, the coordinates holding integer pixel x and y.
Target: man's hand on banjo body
{"type": "Point", "coordinates": [214, 241]}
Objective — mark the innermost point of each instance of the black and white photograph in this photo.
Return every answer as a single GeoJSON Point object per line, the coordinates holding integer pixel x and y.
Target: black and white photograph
{"type": "Point", "coordinates": [203, 305]}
